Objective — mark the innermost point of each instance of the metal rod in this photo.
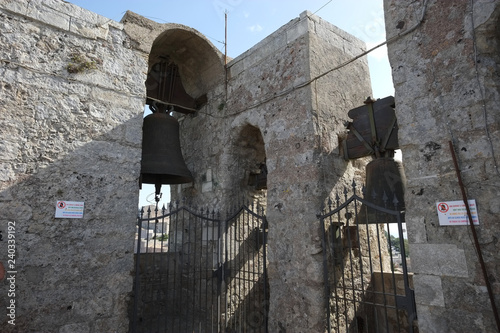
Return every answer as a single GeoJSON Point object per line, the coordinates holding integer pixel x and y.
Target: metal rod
{"type": "Point", "coordinates": [208, 282]}
{"type": "Point", "coordinates": [225, 50]}
{"type": "Point", "coordinates": [191, 272]}
{"type": "Point", "coordinates": [352, 267]}
{"type": "Point", "coordinates": [197, 281]}
{"type": "Point", "coordinates": [337, 241]}
{"type": "Point", "coordinates": [474, 235]}
{"type": "Point", "coordinates": [166, 231]}
{"type": "Point", "coordinates": [137, 274]}
{"type": "Point", "coordinates": [264, 260]}
{"type": "Point", "coordinates": [384, 294]}
{"type": "Point", "coordinates": [326, 281]}
{"type": "Point", "coordinates": [364, 292]}
{"type": "Point", "coordinates": [175, 230]}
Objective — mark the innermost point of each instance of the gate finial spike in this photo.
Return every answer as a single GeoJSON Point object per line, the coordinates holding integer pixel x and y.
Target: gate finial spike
{"type": "Point", "coordinates": [395, 202]}
{"type": "Point", "coordinates": [384, 199]}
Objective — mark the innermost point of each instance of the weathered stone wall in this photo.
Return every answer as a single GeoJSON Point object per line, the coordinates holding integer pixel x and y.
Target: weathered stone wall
{"type": "Point", "coordinates": [276, 113]}
{"type": "Point", "coordinates": [72, 93]}
{"type": "Point", "coordinates": [71, 101]}
{"type": "Point", "coordinates": [447, 90]}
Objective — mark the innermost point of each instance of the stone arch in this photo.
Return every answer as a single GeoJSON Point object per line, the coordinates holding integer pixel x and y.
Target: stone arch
{"type": "Point", "coordinates": [183, 67]}
{"type": "Point", "coordinates": [201, 65]}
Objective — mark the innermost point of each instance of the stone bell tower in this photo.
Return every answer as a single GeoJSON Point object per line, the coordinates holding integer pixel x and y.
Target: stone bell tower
{"type": "Point", "coordinates": [276, 116]}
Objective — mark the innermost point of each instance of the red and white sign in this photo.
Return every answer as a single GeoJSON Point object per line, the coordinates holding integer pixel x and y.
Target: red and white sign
{"type": "Point", "coordinates": [455, 212]}
{"type": "Point", "coordinates": [69, 209]}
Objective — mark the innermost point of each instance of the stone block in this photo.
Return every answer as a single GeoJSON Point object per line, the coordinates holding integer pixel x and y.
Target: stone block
{"type": "Point", "coordinates": [428, 290]}
{"type": "Point", "coordinates": [432, 319]}
{"type": "Point", "coordinates": [417, 232]}
{"type": "Point", "coordinates": [297, 30]}
{"type": "Point", "coordinates": [447, 260]}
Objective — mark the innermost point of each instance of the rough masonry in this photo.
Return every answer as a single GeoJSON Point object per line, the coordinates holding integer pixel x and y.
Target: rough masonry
{"type": "Point", "coordinates": [72, 101]}
{"type": "Point", "coordinates": [72, 94]}
{"type": "Point", "coordinates": [445, 73]}
{"type": "Point", "coordinates": [71, 108]}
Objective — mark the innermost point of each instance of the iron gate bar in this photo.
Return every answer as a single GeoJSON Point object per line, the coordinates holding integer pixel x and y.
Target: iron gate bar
{"type": "Point", "coordinates": [198, 267]}
{"type": "Point", "coordinates": [360, 297]}
{"type": "Point", "coordinates": [244, 268]}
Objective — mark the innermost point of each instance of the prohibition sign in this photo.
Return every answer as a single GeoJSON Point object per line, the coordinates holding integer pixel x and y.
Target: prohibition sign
{"type": "Point", "coordinates": [443, 207]}
{"type": "Point", "coordinates": [61, 204]}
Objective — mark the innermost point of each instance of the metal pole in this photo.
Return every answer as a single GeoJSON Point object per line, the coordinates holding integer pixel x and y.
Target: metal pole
{"type": "Point", "coordinates": [474, 235]}
{"type": "Point", "coordinates": [225, 49]}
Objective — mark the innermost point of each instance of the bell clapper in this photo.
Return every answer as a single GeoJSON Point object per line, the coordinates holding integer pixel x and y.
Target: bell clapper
{"type": "Point", "coordinates": [158, 194]}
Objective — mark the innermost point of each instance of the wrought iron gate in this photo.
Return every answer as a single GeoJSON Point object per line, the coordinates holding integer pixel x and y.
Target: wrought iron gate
{"type": "Point", "coordinates": [197, 272]}
{"type": "Point", "coordinates": [367, 284]}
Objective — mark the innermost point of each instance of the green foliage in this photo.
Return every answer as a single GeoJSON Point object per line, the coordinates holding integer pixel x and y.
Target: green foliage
{"type": "Point", "coordinates": [396, 244]}
{"type": "Point", "coordinates": [162, 238]}
{"type": "Point", "coordinates": [80, 63]}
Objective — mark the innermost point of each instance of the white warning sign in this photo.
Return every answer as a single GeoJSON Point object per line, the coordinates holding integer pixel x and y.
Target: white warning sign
{"type": "Point", "coordinates": [69, 209]}
{"type": "Point", "coordinates": [455, 212]}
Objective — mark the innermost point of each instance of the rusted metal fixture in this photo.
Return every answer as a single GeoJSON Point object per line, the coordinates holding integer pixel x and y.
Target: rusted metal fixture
{"type": "Point", "coordinates": [164, 86]}
{"type": "Point", "coordinates": [479, 252]}
{"type": "Point", "coordinates": [374, 132]}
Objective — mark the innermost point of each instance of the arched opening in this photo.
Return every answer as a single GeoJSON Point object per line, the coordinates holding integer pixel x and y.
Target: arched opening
{"type": "Point", "coordinates": [182, 67]}
{"type": "Point", "coordinates": [250, 155]}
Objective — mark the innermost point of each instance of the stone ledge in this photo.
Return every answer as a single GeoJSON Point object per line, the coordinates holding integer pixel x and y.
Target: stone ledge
{"type": "Point", "coordinates": [55, 13]}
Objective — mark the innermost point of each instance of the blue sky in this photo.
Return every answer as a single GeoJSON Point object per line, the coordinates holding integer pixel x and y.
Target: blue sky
{"type": "Point", "coordinates": [250, 21]}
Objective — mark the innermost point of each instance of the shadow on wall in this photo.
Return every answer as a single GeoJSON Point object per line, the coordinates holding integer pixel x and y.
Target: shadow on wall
{"type": "Point", "coordinates": [76, 270]}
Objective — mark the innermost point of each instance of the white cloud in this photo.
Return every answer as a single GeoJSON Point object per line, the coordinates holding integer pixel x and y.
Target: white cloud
{"type": "Point", "coordinates": [255, 28]}
{"type": "Point", "coordinates": [379, 53]}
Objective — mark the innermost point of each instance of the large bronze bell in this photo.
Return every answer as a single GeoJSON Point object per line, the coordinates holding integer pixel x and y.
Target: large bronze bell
{"type": "Point", "coordinates": [385, 183]}
{"type": "Point", "coordinates": [162, 161]}
{"type": "Point", "coordinates": [385, 187]}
